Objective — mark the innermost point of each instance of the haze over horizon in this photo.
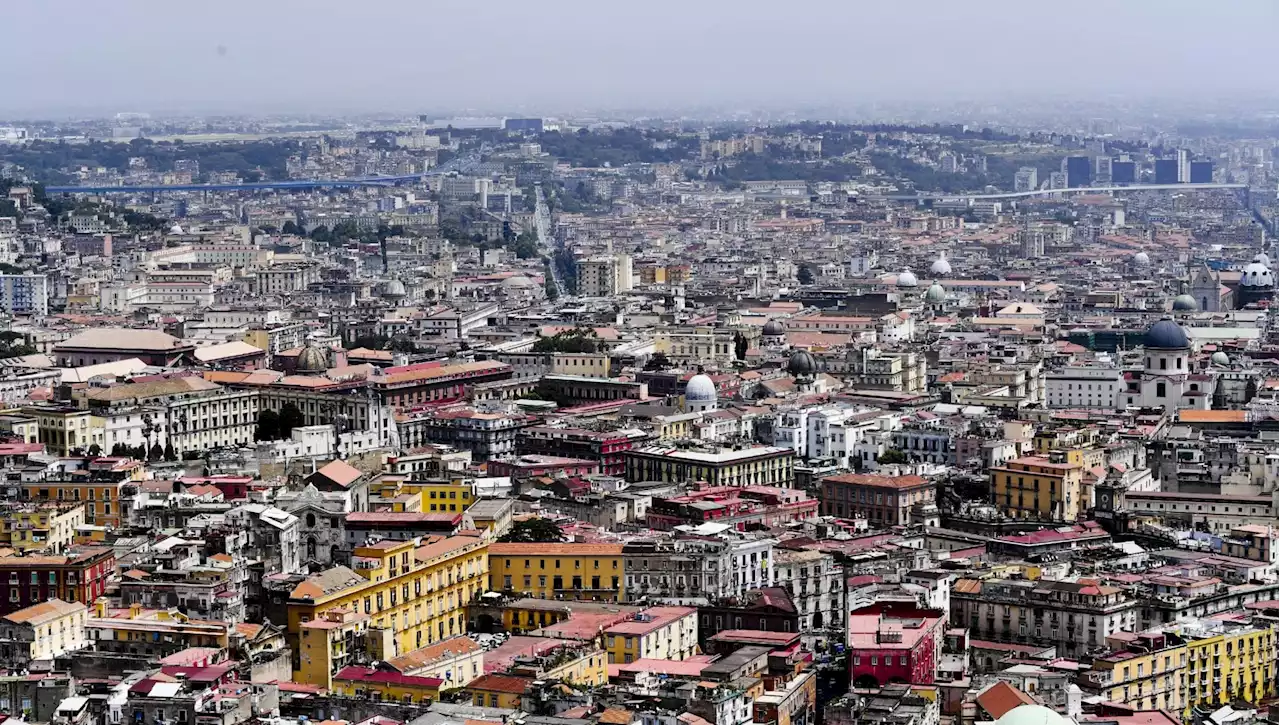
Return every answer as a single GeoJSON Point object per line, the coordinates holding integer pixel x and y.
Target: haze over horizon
{"type": "Point", "coordinates": [324, 56]}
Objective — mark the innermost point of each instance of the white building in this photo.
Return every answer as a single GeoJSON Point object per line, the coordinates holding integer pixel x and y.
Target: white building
{"type": "Point", "coordinates": [698, 565]}
{"type": "Point", "coordinates": [813, 579]}
{"type": "Point", "coordinates": [1084, 386]}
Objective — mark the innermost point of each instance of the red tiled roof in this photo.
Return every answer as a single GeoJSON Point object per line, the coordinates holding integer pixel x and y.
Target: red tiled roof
{"type": "Point", "coordinates": [1001, 698]}
{"type": "Point", "coordinates": [500, 683]}
{"type": "Point", "coordinates": [365, 674]}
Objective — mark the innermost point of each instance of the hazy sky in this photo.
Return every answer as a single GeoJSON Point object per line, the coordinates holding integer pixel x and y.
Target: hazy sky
{"type": "Point", "coordinates": [437, 55]}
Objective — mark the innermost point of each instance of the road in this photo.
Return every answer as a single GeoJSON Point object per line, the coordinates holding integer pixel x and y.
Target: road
{"type": "Point", "coordinates": [542, 224]}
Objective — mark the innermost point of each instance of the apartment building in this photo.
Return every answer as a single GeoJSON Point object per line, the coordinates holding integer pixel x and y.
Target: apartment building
{"type": "Point", "coordinates": [1044, 488]}
{"type": "Point", "coordinates": [658, 633]}
{"type": "Point", "coordinates": [754, 466]}
{"type": "Point", "coordinates": [24, 294]}
{"type": "Point", "coordinates": [559, 571]}
{"type": "Point", "coordinates": [415, 595]}
{"type": "Point", "coordinates": [1075, 617]}
{"type": "Point", "coordinates": [882, 500]}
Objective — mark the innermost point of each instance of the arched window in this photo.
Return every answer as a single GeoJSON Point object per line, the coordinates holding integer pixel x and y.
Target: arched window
{"type": "Point", "coordinates": [311, 521]}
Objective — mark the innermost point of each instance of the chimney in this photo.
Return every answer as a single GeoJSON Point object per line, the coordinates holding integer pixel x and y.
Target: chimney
{"type": "Point", "coordinates": [135, 610]}
{"type": "Point", "coordinates": [100, 608]}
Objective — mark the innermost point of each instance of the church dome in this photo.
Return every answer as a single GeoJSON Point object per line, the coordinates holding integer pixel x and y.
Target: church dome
{"type": "Point", "coordinates": [1032, 715]}
{"type": "Point", "coordinates": [801, 363]}
{"type": "Point", "coordinates": [699, 389]}
{"type": "Point", "coordinates": [176, 229]}
{"type": "Point", "coordinates": [1166, 334]}
{"type": "Point", "coordinates": [1185, 303]}
{"type": "Point", "coordinates": [393, 288]}
{"type": "Point", "coordinates": [773, 328]}
{"type": "Point", "coordinates": [1220, 359]}
{"type": "Point", "coordinates": [1142, 259]}
{"type": "Point", "coordinates": [1263, 259]}
{"type": "Point", "coordinates": [935, 294]}
{"type": "Point", "coordinates": [312, 360]}
{"type": "Point", "coordinates": [907, 279]}
{"type": "Point", "coordinates": [518, 282]}
{"type": "Point", "coordinates": [1257, 275]}
{"type": "Point", "coordinates": [941, 266]}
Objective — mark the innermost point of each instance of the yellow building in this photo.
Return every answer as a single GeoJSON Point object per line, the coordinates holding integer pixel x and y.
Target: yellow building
{"type": "Point", "coordinates": [436, 496]}
{"type": "Point", "coordinates": [1146, 671]}
{"type": "Point", "coordinates": [23, 427]}
{"type": "Point", "coordinates": [50, 527]}
{"type": "Point", "coordinates": [497, 690]}
{"type": "Point", "coordinates": [63, 430]}
{"type": "Point", "coordinates": [1044, 488]}
{"type": "Point", "coordinates": [337, 638]}
{"type": "Point", "coordinates": [1228, 660]}
{"type": "Point", "coordinates": [43, 631]}
{"type": "Point", "coordinates": [585, 364]}
{"type": "Point", "coordinates": [101, 499]}
{"type": "Point", "coordinates": [558, 571]}
{"type": "Point", "coordinates": [386, 686]}
{"type": "Point", "coordinates": [414, 594]}
{"type": "Point", "coordinates": [455, 661]}
{"type": "Point", "coordinates": [658, 633]}
{"type": "Point", "coordinates": [576, 664]}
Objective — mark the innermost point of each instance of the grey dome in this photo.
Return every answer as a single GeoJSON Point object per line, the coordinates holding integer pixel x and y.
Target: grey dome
{"type": "Point", "coordinates": [393, 288]}
{"type": "Point", "coordinates": [1185, 303]}
{"type": "Point", "coordinates": [176, 229]}
{"type": "Point", "coordinates": [940, 267]}
{"type": "Point", "coordinates": [700, 389]}
{"type": "Point", "coordinates": [1220, 359]}
{"type": "Point", "coordinates": [773, 328]}
{"type": "Point", "coordinates": [1166, 334]}
{"type": "Point", "coordinates": [312, 360]}
{"type": "Point", "coordinates": [518, 282]}
{"type": "Point", "coordinates": [1142, 258]}
{"type": "Point", "coordinates": [801, 363]}
{"type": "Point", "coordinates": [935, 294]}
{"type": "Point", "coordinates": [1257, 275]}
{"type": "Point", "coordinates": [907, 279]}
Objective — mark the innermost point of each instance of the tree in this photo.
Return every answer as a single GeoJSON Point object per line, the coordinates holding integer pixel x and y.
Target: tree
{"type": "Point", "coordinates": [290, 418]}
{"type": "Point", "coordinates": [156, 452]}
{"type": "Point", "coordinates": [739, 346]}
{"type": "Point", "coordinates": [321, 234]}
{"type": "Point", "coordinates": [805, 275]}
{"type": "Point", "coordinates": [169, 453]}
{"type": "Point", "coordinates": [119, 450]}
{"type": "Point", "coordinates": [268, 426]}
{"type": "Point", "coordinates": [534, 531]}
{"type": "Point", "coordinates": [95, 450]}
{"type": "Point", "coordinates": [291, 228]}
{"type": "Point", "coordinates": [893, 455]}
{"type": "Point", "coordinates": [579, 339]}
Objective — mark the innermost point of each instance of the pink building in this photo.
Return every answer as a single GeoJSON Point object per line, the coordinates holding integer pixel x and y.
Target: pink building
{"type": "Point", "coordinates": [894, 642]}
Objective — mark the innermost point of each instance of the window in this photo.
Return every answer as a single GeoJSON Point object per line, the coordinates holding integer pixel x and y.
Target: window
{"type": "Point", "coordinates": [1160, 389]}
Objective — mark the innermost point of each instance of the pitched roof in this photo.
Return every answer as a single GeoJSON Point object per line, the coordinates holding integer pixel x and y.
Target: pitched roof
{"type": "Point", "coordinates": [419, 658]}
{"type": "Point", "coordinates": [1001, 698]}
{"type": "Point", "coordinates": [340, 472]}
{"type": "Point", "coordinates": [43, 612]}
{"type": "Point", "coordinates": [495, 682]}
{"type": "Point", "coordinates": [326, 582]}
{"type": "Point", "coordinates": [121, 338]}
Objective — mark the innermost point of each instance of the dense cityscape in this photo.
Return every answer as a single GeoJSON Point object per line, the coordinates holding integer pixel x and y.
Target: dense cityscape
{"type": "Point", "coordinates": [745, 417]}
